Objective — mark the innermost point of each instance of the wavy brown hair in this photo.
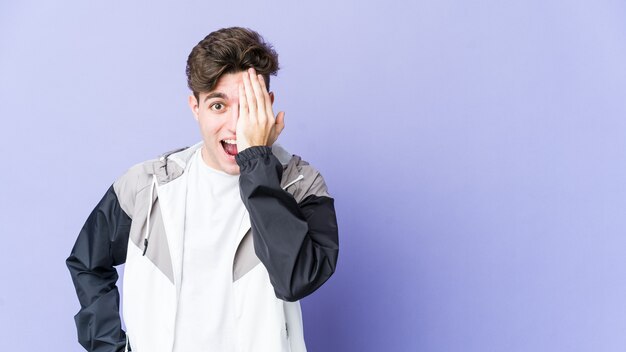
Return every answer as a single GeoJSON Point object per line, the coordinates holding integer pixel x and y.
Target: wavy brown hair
{"type": "Point", "coordinates": [229, 50]}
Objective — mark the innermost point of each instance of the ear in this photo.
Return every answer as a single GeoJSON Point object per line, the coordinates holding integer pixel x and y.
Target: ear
{"type": "Point", "coordinates": [193, 105]}
{"type": "Point", "coordinates": [272, 97]}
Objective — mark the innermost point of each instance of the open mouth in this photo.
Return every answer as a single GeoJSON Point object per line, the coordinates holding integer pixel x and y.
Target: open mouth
{"type": "Point", "coordinates": [230, 146]}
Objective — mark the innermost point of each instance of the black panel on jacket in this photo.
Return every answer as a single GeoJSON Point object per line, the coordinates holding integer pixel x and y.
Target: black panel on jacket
{"type": "Point", "coordinates": [101, 245]}
{"type": "Point", "coordinates": [297, 243]}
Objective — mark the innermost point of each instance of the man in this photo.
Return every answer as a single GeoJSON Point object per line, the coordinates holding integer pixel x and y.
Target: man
{"type": "Point", "coordinates": [221, 239]}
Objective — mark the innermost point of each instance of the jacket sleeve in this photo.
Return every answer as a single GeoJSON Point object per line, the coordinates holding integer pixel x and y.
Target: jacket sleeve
{"type": "Point", "coordinates": [101, 245]}
{"type": "Point", "coordinates": [297, 243]}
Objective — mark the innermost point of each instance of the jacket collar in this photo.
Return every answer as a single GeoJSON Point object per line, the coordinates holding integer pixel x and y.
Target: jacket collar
{"type": "Point", "coordinates": [171, 165]}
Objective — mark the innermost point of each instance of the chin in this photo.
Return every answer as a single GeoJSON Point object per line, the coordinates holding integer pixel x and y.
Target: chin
{"type": "Point", "coordinates": [220, 160]}
{"type": "Point", "coordinates": [231, 169]}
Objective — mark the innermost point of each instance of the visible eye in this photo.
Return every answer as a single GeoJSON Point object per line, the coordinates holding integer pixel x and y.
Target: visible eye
{"type": "Point", "coordinates": [217, 107]}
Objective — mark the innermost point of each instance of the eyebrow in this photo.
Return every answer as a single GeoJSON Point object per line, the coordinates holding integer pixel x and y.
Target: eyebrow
{"type": "Point", "coordinates": [216, 95]}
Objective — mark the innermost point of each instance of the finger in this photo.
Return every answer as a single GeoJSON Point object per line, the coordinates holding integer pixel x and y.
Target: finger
{"type": "Point", "coordinates": [280, 122]}
{"type": "Point", "coordinates": [266, 97]}
{"type": "Point", "coordinates": [258, 94]}
{"type": "Point", "coordinates": [250, 99]}
{"type": "Point", "coordinates": [243, 103]}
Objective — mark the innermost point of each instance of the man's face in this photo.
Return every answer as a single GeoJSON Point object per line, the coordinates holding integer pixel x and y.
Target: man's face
{"type": "Point", "coordinates": [217, 113]}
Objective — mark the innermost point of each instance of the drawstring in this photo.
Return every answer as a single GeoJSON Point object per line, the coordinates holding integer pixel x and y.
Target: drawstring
{"type": "Point", "coordinates": [126, 346]}
{"type": "Point", "coordinates": [300, 177]}
{"type": "Point", "coordinates": [145, 240]}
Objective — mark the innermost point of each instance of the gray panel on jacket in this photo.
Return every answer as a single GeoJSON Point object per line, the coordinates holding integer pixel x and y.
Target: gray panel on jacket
{"type": "Point", "coordinates": [245, 258]}
{"type": "Point", "coordinates": [158, 250]}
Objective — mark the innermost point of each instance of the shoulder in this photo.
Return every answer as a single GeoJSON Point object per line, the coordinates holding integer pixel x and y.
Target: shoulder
{"type": "Point", "coordinates": [131, 182]}
{"type": "Point", "coordinates": [166, 167]}
{"type": "Point", "coordinates": [135, 178]}
{"type": "Point", "coordinates": [140, 175]}
{"type": "Point", "coordinates": [303, 180]}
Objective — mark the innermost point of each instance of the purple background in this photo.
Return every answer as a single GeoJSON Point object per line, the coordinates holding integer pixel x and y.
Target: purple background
{"type": "Point", "coordinates": [476, 151]}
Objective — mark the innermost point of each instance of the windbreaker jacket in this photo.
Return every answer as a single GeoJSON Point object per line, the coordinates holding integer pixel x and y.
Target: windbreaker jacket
{"type": "Point", "coordinates": [288, 247]}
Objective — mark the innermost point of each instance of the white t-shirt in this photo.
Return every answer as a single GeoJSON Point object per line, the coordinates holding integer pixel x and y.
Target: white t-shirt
{"type": "Point", "coordinates": [214, 212]}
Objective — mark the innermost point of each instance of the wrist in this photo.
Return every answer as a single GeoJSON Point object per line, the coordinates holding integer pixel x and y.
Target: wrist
{"type": "Point", "coordinates": [251, 153]}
